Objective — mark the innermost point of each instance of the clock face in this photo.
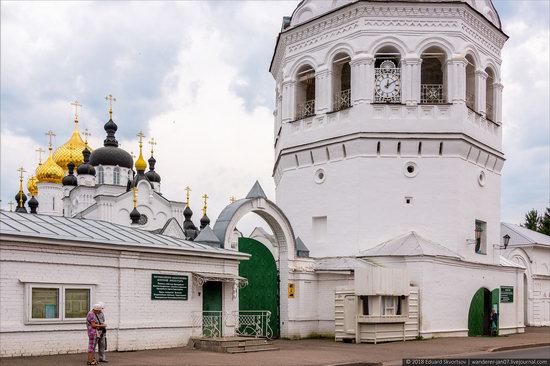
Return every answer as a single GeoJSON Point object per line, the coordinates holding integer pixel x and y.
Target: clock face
{"type": "Point", "coordinates": [388, 86]}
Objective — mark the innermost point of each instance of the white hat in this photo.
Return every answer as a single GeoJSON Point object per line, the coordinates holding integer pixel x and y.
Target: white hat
{"type": "Point", "coordinates": [97, 306]}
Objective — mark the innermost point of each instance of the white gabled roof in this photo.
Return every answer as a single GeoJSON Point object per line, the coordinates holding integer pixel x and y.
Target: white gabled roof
{"type": "Point", "coordinates": [410, 244]}
{"type": "Point", "coordinates": [28, 225]}
{"type": "Point", "coordinates": [522, 236]}
{"type": "Point", "coordinates": [341, 263]}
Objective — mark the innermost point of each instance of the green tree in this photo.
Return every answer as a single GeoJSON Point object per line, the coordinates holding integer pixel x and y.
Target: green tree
{"type": "Point", "coordinates": [544, 223]}
{"type": "Point", "coordinates": [532, 220]}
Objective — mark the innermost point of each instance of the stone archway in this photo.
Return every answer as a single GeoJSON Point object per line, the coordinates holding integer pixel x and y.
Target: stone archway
{"type": "Point", "coordinates": [256, 202]}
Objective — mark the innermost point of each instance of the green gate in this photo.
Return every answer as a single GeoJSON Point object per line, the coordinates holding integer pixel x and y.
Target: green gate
{"type": "Point", "coordinates": [212, 309]}
{"type": "Point", "coordinates": [479, 313]}
{"type": "Point", "coordinates": [262, 291]}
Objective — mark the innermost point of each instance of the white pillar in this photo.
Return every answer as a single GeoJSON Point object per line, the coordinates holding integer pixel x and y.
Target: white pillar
{"type": "Point", "coordinates": [323, 81]}
{"type": "Point", "coordinates": [481, 81]}
{"type": "Point", "coordinates": [410, 80]}
{"type": "Point", "coordinates": [497, 101]}
{"type": "Point", "coordinates": [362, 79]}
{"type": "Point", "coordinates": [456, 80]}
{"type": "Point", "coordinates": [288, 103]}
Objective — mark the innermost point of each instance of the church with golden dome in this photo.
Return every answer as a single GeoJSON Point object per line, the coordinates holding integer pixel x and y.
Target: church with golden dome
{"type": "Point", "coordinates": [104, 183]}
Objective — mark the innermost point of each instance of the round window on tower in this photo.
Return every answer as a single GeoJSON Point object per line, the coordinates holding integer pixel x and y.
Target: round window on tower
{"type": "Point", "coordinates": [320, 176]}
{"type": "Point", "coordinates": [143, 219]}
{"type": "Point", "coordinates": [411, 169]}
{"type": "Point", "coordinates": [481, 179]}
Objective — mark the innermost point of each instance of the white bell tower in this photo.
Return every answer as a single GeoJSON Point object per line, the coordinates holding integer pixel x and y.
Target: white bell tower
{"type": "Point", "coordinates": [389, 120]}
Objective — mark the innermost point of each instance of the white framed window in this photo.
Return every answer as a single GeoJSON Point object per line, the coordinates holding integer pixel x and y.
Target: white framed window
{"type": "Point", "coordinates": [116, 176]}
{"type": "Point", "coordinates": [100, 175]}
{"type": "Point", "coordinates": [390, 305]}
{"type": "Point", "coordinates": [55, 303]}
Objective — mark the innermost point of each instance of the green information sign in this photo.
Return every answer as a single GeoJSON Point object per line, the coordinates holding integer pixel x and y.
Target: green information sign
{"type": "Point", "coordinates": [506, 293]}
{"type": "Point", "coordinates": [169, 287]}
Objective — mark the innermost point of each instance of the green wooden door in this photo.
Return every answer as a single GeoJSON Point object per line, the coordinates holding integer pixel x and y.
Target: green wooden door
{"type": "Point", "coordinates": [479, 313]}
{"type": "Point", "coordinates": [212, 307]}
{"type": "Point", "coordinates": [495, 301]}
{"type": "Point", "coordinates": [262, 291]}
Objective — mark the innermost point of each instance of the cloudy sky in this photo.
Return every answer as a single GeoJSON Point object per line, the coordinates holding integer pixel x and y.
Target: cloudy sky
{"type": "Point", "coordinates": [194, 75]}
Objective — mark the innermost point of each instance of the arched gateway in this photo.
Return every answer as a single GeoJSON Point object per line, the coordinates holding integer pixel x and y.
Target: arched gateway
{"type": "Point", "coordinates": [256, 201]}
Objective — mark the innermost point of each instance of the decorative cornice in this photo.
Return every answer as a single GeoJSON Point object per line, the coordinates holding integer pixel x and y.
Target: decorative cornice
{"type": "Point", "coordinates": [456, 17]}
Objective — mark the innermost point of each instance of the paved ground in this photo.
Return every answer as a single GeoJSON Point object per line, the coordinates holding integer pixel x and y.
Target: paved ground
{"type": "Point", "coordinates": [538, 352]}
{"type": "Point", "coordinates": [305, 352]}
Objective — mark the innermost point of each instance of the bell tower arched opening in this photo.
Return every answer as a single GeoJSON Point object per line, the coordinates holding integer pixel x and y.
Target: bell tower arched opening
{"type": "Point", "coordinates": [387, 75]}
{"type": "Point", "coordinates": [305, 92]}
{"type": "Point", "coordinates": [341, 81]}
{"type": "Point", "coordinates": [489, 95]}
{"type": "Point", "coordinates": [433, 79]}
{"type": "Point", "coordinates": [471, 82]}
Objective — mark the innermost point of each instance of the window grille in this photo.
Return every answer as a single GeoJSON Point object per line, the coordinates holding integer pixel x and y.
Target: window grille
{"type": "Point", "coordinates": [342, 100]}
{"type": "Point", "coordinates": [432, 94]}
{"type": "Point", "coordinates": [306, 109]}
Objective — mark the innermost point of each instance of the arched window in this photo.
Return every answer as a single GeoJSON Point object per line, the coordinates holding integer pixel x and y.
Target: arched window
{"type": "Point", "coordinates": [305, 92]}
{"type": "Point", "coordinates": [387, 75]}
{"type": "Point", "coordinates": [489, 96]}
{"type": "Point", "coordinates": [116, 176]}
{"type": "Point", "coordinates": [470, 82]}
{"type": "Point", "coordinates": [100, 175]}
{"type": "Point", "coordinates": [341, 81]}
{"type": "Point", "coordinates": [433, 77]}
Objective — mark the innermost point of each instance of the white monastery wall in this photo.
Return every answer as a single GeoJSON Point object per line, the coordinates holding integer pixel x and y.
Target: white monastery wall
{"type": "Point", "coordinates": [122, 280]}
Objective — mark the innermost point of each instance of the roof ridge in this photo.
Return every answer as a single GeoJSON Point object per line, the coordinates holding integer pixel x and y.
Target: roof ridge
{"type": "Point", "coordinates": [517, 232]}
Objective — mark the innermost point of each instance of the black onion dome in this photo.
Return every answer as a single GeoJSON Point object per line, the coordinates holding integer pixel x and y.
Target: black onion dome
{"type": "Point", "coordinates": [187, 213]}
{"type": "Point", "coordinates": [24, 196]}
{"type": "Point", "coordinates": [110, 154]}
{"type": "Point", "coordinates": [86, 167]}
{"type": "Point", "coordinates": [70, 179]}
{"type": "Point", "coordinates": [134, 216]}
{"type": "Point", "coordinates": [151, 174]}
{"type": "Point", "coordinates": [33, 204]}
{"type": "Point", "coordinates": [205, 221]}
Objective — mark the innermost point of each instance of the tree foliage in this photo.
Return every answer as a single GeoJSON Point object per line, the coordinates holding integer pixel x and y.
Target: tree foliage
{"type": "Point", "coordinates": [544, 225]}
{"type": "Point", "coordinates": [536, 222]}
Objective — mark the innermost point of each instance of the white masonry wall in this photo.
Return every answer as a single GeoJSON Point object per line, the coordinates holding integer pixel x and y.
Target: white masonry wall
{"type": "Point", "coordinates": [122, 280]}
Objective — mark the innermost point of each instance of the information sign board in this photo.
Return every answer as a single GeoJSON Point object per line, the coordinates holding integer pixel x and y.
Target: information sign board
{"type": "Point", "coordinates": [506, 293]}
{"type": "Point", "coordinates": [169, 287]}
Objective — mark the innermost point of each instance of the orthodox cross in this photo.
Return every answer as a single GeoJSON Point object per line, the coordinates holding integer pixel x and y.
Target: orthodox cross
{"type": "Point", "coordinates": [187, 190]}
{"type": "Point", "coordinates": [232, 199]}
{"type": "Point", "coordinates": [87, 134]}
{"type": "Point", "coordinates": [141, 136]}
{"type": "Point", "coordinates": [50, 135]}
{"type": "Point", "coordinates": [21, 170]}
{"type": "Point", "coordinates": [205, 197]}
{"type": "Point", "coordinates": [11, 206]}
{"type": "Point", "coordinates": [152, 142]}
{"type": "Point", "coordinates": [134, 189]}
{"type": "Point", "coordinates": [40, 151]}
{"type": "Point", "coordinates": [76, 104]}
{"type": "Point", "coordinates": [111, 99]}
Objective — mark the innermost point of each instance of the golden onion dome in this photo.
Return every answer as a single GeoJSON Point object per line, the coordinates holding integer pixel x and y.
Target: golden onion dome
{"type": "Point", "coordinates": [71, 150]}
{"type": "Point", "coordinates": [140, 164]}
{"type": "Point", "coordinates": [49, 171]}
{"type": "Point", "coordinates": [31, 186]}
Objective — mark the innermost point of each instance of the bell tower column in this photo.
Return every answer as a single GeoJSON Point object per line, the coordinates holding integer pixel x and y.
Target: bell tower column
{"type": "Point", "coordinates": [456, 76]}
{"type": "Point", "coordinates": [323, 87]}
{"type": "Point", "coordinates": [497, 101]}
{"type": "Point", "coordinates": [289, 90]}
{"type": "Point", "coordinates": [362, 79]}
{"type": "Point", "coordinates": [410, 80]}
{"type": "Point", "coordinates": [481, 81]}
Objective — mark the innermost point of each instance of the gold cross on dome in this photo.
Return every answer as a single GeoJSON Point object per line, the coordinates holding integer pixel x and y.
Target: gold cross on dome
{"type": "Point", "coordinates": [187, 190]}
{"type": "Point", "coordinates": [134, 189]}
{"type": "Point", "coordinates": [141, 136]}
{"type": "Point", "coordinates": [50, 135]}
{"type": "Point", "coordinates": [87, 134]}
{"type": "Point", "coordinates": [40, 151]}
{"type": "Point", "coordinates": [76, 104]}
{"type": "Point", "coordinates": [152, 142]}
{"type": "Point", "coordinates": [111, 99]}
{"type": "Point", "coordinates": [21, 170]}
{"type": "Point", "coordinates": [205, 197]}
{"type": "Point", "coordinates": [232, 199]}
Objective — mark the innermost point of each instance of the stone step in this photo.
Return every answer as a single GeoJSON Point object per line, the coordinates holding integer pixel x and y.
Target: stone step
{"type": "Point", "coordinates": [245, 343]}
{"type": "Point", "coordinates": [251, 349]}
